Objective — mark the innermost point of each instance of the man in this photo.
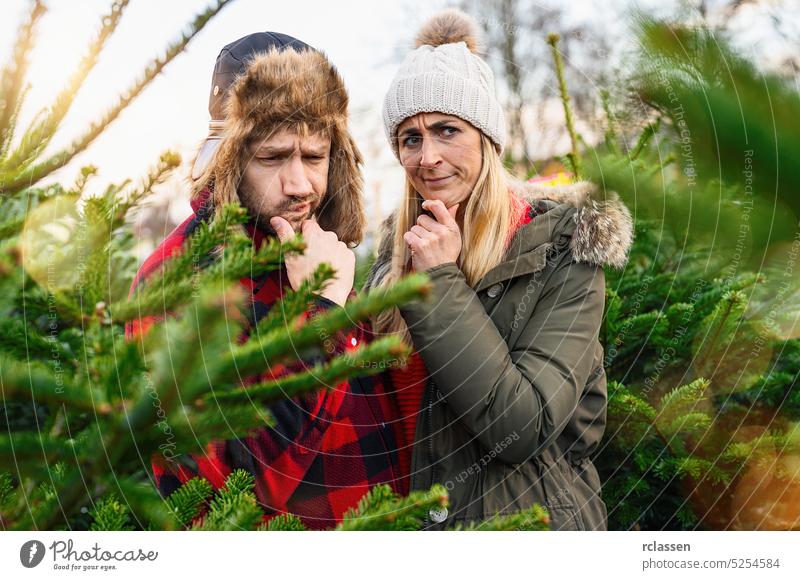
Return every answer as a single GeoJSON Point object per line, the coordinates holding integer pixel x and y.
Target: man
{"type": "Point", "coordinates": [279, 144]}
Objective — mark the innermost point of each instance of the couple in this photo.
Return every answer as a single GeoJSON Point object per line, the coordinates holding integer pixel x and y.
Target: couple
{"type": "Point", "coordinates": [503, 400]}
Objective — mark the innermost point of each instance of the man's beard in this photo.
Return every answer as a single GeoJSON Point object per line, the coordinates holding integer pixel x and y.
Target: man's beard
{"type": "Point", "coordinates": [260, 214]}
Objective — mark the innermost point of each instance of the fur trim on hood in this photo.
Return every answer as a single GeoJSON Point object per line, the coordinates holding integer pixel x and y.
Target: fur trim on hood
{"type": "Point", "coordinates": [603, 227]}
{"type": "Point", "coordinates": [287, 89]}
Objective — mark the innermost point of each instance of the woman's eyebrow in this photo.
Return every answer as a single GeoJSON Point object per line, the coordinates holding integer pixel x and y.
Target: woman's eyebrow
{"type": "Point", "coordinates": [434, 126]}
{"type": "Point", "coordinates": [440, 124]}
{"type": "Point", "coordinates": [409, 131]}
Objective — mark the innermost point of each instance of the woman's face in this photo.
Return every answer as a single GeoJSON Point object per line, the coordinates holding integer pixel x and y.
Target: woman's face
{"type": "Point", "coordinates": [441, 155]}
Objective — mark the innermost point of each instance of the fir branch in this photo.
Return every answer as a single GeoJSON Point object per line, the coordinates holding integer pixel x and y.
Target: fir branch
{"type": "Point", "coordinates": [87, 172]}
{"type": "Point", "coordinates": [36, 172]}
{"type": "Point", "coordinates": [7, 490]}
{"type": "Point", "coordinates": [274, 346]}
{"type": "Point", "coordinates": [610, 135]}
{"type": "Point", "coordinates": [240, 260]}
{"type": "Point", "coordinates": [38, 136]}
{"type": "Point", "coordinates": [722, 325]}
{"type": "Point", "coordinates": [214, 252]}
{"type": "Point", "coordinates": [234, 506]}
{"type": "Point", "coordinates": [372, 358]}
{"type": "Point", "coordinates": [119, 209]}
{"type": "Point", "coordinates": [293, 305]}
{"type": "Point", "coordinates": [283, 523]}
{"type": "Point", "coordinates": [148, 508]}
{"type": "Point", "coordinates": [176, 374]}
{"type": "Point", "coordinates": [22, 342]}
{"type": "Point", "coordinates": [11, 227]}
{"type": "Point", "coordinates": [13, 76]}
{"type": "Point", "coordinates": [187, 501]}
{"type": "Point", "coordinates": [383, 509]}
{"type": "Point", "coordinates": [682, 400]}
{"type": "Point", "coordinates": [28, 382]}
{"type": "Point", "coordinates": [110, 515]}
{"type": "Point", "coordinates": [685, 425]}
{"type": "Point", "coordinates": [533, 519]}
{"type": "Point", "coordinates": [717, 291]}
{"type": "Point", "coordinates": [33, 450]}
{"type": "Point", "coordinates": [679, 467]}
{"type": "Point", "coordinates": [204, 423]}
{"type": "Point", "coordinates": [573, 156]}
{"type": "Point", "coordinates": [645, 137]}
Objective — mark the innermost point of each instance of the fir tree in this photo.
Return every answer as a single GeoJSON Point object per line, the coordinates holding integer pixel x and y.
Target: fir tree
{"type": "Point", "coordinates": [700, 328]}
{"type": "Point", "coordinates": [698, 317]}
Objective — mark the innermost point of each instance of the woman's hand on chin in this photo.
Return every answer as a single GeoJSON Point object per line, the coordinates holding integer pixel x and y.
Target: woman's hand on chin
{"type": "Point", "coordinates": [434, 241]}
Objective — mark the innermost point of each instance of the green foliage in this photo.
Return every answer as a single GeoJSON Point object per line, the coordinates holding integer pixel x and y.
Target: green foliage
{"type": "Point", "coordinates": [284, 523]}
{"type": "Point", "coordinates": [382, 509]}
{"type": "Point", "coordinates": [110, 515]}
{"type": "Point", "coordinates": [234, 506]}
{"type": "Point", "coordinates": [699, 331]}
{"type": "Point", "coordinates": [533, 519]}
{"type": "Point", "coordinates": [186, 501]}
{"type": "Point", "coordinates": [23, 162]}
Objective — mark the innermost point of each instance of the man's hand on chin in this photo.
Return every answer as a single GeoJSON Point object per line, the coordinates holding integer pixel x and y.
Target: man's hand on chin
{"type": "Point", "coordinates": [321, 246]}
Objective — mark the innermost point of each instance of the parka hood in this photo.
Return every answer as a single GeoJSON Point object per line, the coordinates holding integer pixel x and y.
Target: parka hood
{"type": "Point", "coordinates": [603, 225]}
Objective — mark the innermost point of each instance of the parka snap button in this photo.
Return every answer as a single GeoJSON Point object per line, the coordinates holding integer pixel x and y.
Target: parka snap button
{"type": "Point", "coordinates": [494, 291]}
{"type": "Point", "coordinates": [438, 515]}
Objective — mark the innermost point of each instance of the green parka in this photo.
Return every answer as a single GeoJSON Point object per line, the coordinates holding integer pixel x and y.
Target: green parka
{"type": "Point", "coordinates": [515, 402]}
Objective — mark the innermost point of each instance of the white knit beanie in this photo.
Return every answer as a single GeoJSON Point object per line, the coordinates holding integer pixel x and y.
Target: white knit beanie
{"type": "Point", "coordinates": [445, 75]}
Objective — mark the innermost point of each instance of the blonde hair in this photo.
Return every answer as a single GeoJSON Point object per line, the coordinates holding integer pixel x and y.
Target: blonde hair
{"type": "Point", "coordinates": [487, 219]}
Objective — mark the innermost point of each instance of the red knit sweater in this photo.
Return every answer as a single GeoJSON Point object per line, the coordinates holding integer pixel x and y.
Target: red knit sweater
{"type": "Point", "coordinates": [409, 381]}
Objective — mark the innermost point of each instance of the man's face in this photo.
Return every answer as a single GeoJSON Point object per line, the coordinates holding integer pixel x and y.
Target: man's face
{"type": "Point", "coordinates": [287, 176]}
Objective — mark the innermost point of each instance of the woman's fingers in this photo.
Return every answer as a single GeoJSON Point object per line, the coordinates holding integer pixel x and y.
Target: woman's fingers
{"type": "Point", "coordinates": [429, 223]}
{"type": "Point", "coordinates": [412, 239]}
{"type": "Point", "coordinates": [440, 212]}
{"type": "Point", "coordinates": [421, 232]}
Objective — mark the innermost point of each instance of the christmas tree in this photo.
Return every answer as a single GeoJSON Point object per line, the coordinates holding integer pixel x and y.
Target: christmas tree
{"type": "Point", "coordinates": [700, 329]}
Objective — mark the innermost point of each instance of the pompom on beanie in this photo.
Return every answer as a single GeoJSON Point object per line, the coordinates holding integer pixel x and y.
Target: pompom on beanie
{"type": "Point", "coordinates": [444, 74]}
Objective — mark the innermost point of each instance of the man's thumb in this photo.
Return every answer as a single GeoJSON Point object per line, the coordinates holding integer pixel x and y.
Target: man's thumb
{"type": "Point", "coordinates": [282, 228]}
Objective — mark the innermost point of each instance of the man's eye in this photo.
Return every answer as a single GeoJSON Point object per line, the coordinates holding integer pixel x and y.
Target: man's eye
{"type": "Point", "coordinates": [268, 158]}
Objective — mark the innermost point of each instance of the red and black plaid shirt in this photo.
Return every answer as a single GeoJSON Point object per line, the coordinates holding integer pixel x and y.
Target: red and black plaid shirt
{"type": "Point", "coordinates": [326, 449]}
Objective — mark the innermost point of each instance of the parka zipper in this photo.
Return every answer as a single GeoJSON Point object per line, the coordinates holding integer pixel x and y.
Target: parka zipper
{"type": "Point", "coordinates": [429, 434]}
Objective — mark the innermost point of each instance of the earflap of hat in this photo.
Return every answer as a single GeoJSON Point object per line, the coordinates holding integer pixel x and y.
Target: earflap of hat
{"type": "Point", "coordinates": [225, 164]}
{"type": "Point", "coordinates": [205, 156]}
{"type": "Point", "coordinates": [342, 209]}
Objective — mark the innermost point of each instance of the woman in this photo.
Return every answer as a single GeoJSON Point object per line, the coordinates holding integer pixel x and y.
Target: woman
{"type": "Point", "coordinates": [504, 397]}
